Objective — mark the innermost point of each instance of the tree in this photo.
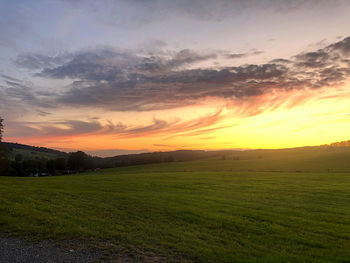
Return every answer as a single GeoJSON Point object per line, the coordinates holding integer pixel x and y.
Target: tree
{"type": "Point", "coordinates": [60, 164]}
{"type": "Point", "coordinates": [169, 159]}
{"type": "Point", "coordinates": [1, 128]}
{"type": "Point", "coordinates": [50, 166]}
{"type": "Point", "coordinates": [18, 158]}
{"type": "Point", "coordinates": [77, 160]}
{"type": "Point", "coordinates": [4, 162]}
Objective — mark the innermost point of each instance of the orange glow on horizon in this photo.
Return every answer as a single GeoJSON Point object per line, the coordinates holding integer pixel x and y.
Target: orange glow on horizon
{"type": "Point", "coordinates": [283, 120]}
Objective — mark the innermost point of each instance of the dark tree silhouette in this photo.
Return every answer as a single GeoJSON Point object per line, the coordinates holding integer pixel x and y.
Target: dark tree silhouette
{"type": "Point", "coordinates": [4, 162]}
{"type": "Point", "coordinates": [60, 164]}
{"type": "Point", "coordinates": [79, 161]}
{"type": "Point", "coordinates": [1, 128]}
{"type": "Point", "coordinates": [19, 158]}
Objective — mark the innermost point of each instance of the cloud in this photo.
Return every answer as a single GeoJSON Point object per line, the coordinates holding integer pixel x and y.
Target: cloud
{"type": "Point", "coordinates": [139, 13]}
{"type": "Point", "coordinates": [237, 55]}
{"type": "Point", "coordinates": [162, 127]}
{"type": "Point", "coordinates": [17, 93]}
{"type": "Point", "coordinates": [108, 64]}
{"type": "Point", "coordinates": [40, 61]}
{"type": "Point", "coordinates": [74, 128]}
{"type": "Point", "coordinates": [53, 129]}
{"type": "Point", "coordinates": [341, 46]}
{"type": "Point", "coordinates": [132, 81]}
{"type": "Point", "coordinates": [243, 55]}
{"type": "Point", "coordinates": [141, 92]}
{"type": "Point", "coordinates": [9, 78]}
{"type": "Point", "coordinates": [43, 113]}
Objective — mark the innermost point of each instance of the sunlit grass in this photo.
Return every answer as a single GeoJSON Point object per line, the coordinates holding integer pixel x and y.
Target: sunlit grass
{"type": "Point", "coordinates": [207, 216]}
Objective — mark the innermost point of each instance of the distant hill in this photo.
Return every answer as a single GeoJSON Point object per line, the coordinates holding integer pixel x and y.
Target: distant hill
{"type": "Point", "coordinates": [340, 144]}
{"type": "Point", "coordinates": [189, 155]}
{"type": "Point", "coordinates": [303, 159]}
{"type": "Point", "coordinates": [157, 157]}
{"type": "Point", "coordinates": [337, 150]}
{"type": "Point", "coordinates": [32, 152]}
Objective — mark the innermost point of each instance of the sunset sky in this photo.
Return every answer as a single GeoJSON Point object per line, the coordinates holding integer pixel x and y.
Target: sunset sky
{"type": "Point", "coordinates": [122, 76]}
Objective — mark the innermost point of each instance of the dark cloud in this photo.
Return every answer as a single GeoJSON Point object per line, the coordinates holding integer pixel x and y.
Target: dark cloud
{"type": "Point", "coordinates": [257, 52]}
{"type": "Point", "coordinates": [53, 129]}
{"type": "Point", "coordinates": [131, 81]}
{"type": "Point", "coordinates": [73, 127]}
{"type": "Point", "coordinates": [236, 55]}
{"type": "Point", "coordinates": [39, 61]}
{"type": "Point", "coordinates": [280, 61]}
{"type": "Point", "coordinates": [341, 46]}
{"type": "Point", "coordinates": [318, 59]}
{"type": "Point", "coordinates": [43, 113]}
{"type": "Point", "coordinates": [17, 92]}
{"type": "Point", "coordinates": [108, 64]}
{"type": "Point", "coordinates": [243, 55]}
{"type": "Point", "coordinates": [142, 92]}
{"type": "Point", "coordinates": [186, 57]}
{"type": "Point", "coordinates": [9, 78]}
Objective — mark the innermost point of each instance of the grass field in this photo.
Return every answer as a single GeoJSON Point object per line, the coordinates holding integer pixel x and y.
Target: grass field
{"type": "Point", "coordinates": [206, 211]}
{"type": "Point", "coordinates": [288, 160]}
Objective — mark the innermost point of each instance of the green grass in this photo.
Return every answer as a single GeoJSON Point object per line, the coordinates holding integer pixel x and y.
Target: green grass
{"type": "Point", "coordinates": [200, 211]}
{"type": "Point", "coordinates": [313, 159]}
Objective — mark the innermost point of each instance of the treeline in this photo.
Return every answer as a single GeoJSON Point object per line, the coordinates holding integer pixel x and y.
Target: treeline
{"type": "Point", "coordinates": [79, 161]}
{"type": "Point", "coordinates": [3, 151]}
{"type": "Point", "coordinates": [159, 157]}
{"type": "Point", "coordinates": [340, 144]}
{"type": "Point", "coordinates": [39, 166]}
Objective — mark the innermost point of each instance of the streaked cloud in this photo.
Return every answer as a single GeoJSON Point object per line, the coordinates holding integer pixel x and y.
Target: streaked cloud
{"type": "Point", "coordinates": [72, 128]}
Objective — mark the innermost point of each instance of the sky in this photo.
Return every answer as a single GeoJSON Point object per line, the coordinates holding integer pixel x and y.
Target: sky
{"type": "Point", "coordinates": [126, 76]}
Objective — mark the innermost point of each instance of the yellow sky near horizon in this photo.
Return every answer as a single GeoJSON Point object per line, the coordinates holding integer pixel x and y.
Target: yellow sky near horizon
{"type": "Point", "coordinates": [279, 120]}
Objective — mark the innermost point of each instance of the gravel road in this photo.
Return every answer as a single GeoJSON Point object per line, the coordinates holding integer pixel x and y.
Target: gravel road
{"type": "Point", "coordinates": [19, 250]}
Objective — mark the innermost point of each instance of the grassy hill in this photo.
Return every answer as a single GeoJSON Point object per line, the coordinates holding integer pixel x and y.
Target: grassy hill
{"type": "Point", "coordinates": [328, 158]}
{"type": "Point", "coordinates": [32, 152]}
{"type": "Point", "coordinates": [289, 205]}
{"type": "Point", "coordinates": [304, 159]}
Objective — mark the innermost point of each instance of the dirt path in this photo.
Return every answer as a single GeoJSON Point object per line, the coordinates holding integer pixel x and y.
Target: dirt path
{"type": "Point", "coordinates": [19, 250]}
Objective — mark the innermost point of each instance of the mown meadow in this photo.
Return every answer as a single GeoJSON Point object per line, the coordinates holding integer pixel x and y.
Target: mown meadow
{"type": "Point", "coordinates": [264, 209]}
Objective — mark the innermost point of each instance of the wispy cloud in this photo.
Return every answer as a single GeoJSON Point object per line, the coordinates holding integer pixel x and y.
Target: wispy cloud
{"type": "Point", "coordinates": [73, 128]}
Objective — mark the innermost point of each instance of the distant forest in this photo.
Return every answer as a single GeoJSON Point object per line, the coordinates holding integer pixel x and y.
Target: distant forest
{"type": "Point", "coordinates": [25, 160]}
{"type": "Point", "coordinates": [340, 144]}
